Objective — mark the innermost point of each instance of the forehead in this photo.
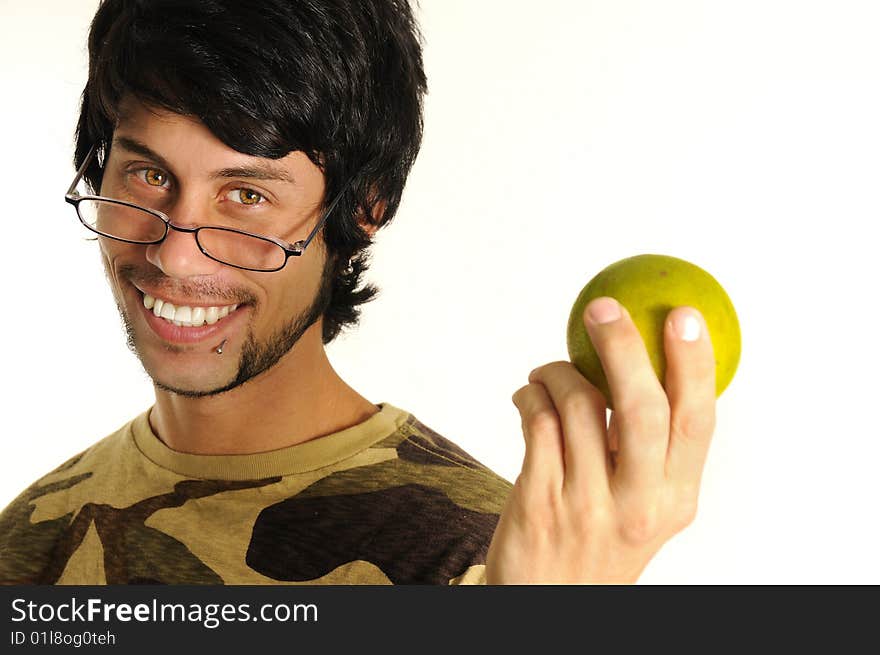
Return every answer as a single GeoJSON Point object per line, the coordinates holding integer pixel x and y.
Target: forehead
{"type": "Point", "coordinates": [136, 117]}
{"type": "Point", "coordinates": [186, 144]}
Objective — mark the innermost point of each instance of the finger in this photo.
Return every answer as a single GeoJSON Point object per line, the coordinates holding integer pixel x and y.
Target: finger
{"type": "Point", "coordinates": [690, 386]}
{"type": "Point", "coordinates": [613, 440]}
{"type": "Point", "coordinates": [581, 408]}
{"type": "Point", "coordinates": [543, 463]}
{"type": "Point", "coordinates": [640, 405]}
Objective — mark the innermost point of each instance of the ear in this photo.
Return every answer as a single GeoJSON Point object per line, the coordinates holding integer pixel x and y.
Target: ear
{"type": "Point", "coordinates": [370, 224]}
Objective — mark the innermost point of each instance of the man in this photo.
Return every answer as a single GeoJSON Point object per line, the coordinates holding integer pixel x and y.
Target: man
{"type": "Point", "coordinates": [235, 161]}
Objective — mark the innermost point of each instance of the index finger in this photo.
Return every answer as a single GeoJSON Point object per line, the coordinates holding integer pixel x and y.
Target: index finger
{"type": "Point", "coordinates": [641, 410]}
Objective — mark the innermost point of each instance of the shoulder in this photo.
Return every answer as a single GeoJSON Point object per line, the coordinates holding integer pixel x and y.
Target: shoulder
{"type": "Point", "coordinates": [32, 523]}
{"type": "Point", "coordinates": [417, 508]}
{"type": "Point", "coordinates": [420, 446]}
{"type": "Point", "coordinates": [422, 467]}
{"type": "Point", "coordinates": [81, 466]}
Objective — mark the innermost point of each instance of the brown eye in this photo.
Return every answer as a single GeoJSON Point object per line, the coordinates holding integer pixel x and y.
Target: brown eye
{"type": "Point", "coordinates": [248, 197]}
{"type": "Point", "coordinates": [155, 177]}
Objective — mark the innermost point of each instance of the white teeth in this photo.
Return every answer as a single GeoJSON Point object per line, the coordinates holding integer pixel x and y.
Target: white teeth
{"type": "Point", "coordinates": [186, 316]}
{"type": "Point", "coordinates": [183, 315]}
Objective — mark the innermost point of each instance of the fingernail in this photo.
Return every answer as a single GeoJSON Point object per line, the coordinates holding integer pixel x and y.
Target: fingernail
{"type": "Point", "coordinates": [687, 326]}
{"type": "Point", "coordinates": [603, 310]}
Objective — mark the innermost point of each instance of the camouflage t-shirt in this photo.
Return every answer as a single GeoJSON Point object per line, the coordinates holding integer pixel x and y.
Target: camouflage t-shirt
{"type": "Point", "coordinates": [385, 501]}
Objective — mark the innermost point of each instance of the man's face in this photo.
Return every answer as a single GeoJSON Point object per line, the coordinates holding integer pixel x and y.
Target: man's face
{"type": "Point", "coordinates": [175, 164]}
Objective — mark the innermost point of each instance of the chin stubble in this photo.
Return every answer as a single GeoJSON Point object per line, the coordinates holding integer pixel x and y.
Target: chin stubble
{"type": "Point", "coordinates": [256, 357]}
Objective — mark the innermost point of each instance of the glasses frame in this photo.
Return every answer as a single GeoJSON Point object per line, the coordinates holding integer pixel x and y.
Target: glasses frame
{"type": "Point", "coordinates": [295, 249]}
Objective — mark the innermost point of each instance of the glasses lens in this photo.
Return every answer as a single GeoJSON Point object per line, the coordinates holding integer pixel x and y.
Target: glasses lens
{"type": "Point", "coordinates": [242, 250]}
{"type": "Point", "coordinates": [121, 221]}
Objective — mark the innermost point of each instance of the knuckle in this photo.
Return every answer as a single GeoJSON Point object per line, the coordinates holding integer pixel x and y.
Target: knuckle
{"type": "Point", "coordinates": [526, 491]}
{"type": "Point", "coordinates": [588, 507]}
{"type": "Point", "coordinates": [694, 422]}
{"type": "Point", "coordinates": [587, 519]}
{"type": "Point", "coordinates": [542, 421]}
{"type": "Point", "coordinates": [685, 514]}
{"type": "Point", "coordinates": [685, 509]}
{"type": "Point", "coordinates": [576, 402]}
{"type": "Point", "coordinates": [705, 367]}
{"type": "Point", "coordinates": [597, 518]}
{"type": "Point", "coordinates": [516, 398]}
{"type": "Point", "coordinates": [641, 526]}
{"type": "Point", "coordinates": [550, 368]}
{"type": "Point", "coordinates": [536, 504]}
{"type": "Point", "coordinates": [644, 416]}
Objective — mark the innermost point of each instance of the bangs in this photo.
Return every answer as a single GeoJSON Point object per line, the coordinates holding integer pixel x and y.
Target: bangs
{"type": "Point", "coordinates": [206, 69]}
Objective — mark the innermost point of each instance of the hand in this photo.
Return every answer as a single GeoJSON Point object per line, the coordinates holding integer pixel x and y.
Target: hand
{"type": "Point", "coordinates": [595, 504]}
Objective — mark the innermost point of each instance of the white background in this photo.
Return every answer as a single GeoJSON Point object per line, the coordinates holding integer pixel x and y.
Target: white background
{"type": "Point", "coordinates": [560, 137]}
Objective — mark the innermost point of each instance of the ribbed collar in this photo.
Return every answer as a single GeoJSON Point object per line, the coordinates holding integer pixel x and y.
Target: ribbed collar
{"type": "Point", "coordinates": [300, 458]}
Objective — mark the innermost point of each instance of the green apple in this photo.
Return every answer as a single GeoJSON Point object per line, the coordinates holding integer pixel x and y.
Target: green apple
{"type": "Point", "coordinates": [649, 286]}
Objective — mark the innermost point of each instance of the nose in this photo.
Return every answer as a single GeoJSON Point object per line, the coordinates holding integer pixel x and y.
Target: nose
{"type": "Point", "coordinates": [178, 255]}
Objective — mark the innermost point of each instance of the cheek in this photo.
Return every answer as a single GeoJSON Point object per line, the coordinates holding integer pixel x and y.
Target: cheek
{"type": "Point", "coordinates": [296, 286]}
{"type": "Point", "coordinates": [109, 253]}
{"type": "Point", "coordinates": [112, 250]}
{"type": "Point", "coordinates": [115, 254]}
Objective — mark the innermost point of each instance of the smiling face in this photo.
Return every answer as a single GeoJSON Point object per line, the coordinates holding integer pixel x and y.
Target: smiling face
{"type": "Point", "coordinates": [173, 163]}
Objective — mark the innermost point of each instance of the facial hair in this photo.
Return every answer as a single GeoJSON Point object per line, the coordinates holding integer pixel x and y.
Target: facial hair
{"type": "Point", "coordinates": [256, 356]}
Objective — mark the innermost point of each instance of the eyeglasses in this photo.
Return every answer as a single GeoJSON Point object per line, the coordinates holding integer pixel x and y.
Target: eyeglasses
{"type": "Point", "coordinates": [131, 223]}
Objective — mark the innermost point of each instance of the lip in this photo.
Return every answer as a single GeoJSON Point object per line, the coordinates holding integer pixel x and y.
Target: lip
{"type": "Point", "coordinates": [177, 302]}
{"type": "Point", "coordinates": [178, 334]}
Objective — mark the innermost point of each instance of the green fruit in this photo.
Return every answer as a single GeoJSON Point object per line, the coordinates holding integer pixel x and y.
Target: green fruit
{"type": "Point", "coordinates": [650, 286]}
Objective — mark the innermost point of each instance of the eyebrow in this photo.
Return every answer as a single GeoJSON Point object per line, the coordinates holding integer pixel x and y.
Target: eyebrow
{"type": "Point", "coordinates": [256, 171]}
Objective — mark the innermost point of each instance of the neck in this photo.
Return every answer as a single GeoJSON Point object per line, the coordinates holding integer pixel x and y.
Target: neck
{"type": "Point", "coordinates": [299, 399]}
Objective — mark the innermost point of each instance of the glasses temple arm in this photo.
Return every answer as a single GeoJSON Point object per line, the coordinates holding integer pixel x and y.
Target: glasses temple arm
{"type": "Point", "coordinates": [81, 171]}
{"type": "Point", "coordinates": [327, 213]}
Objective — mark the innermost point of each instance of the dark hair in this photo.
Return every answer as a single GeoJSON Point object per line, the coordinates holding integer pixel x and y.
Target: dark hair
{"type": "Point", "coordinates": [340, 80]}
